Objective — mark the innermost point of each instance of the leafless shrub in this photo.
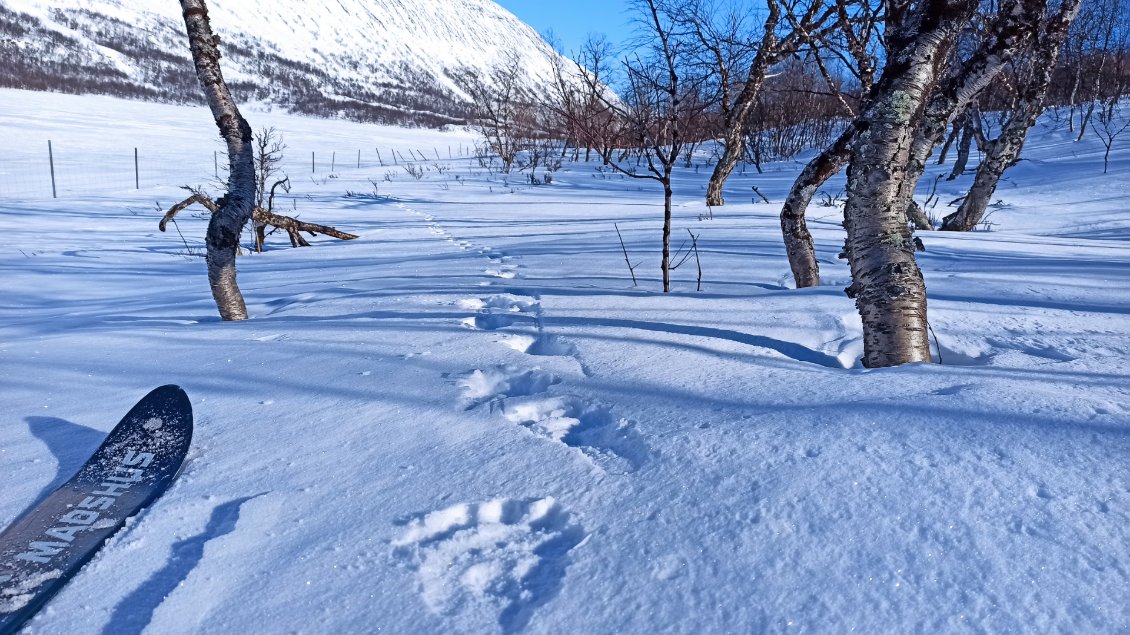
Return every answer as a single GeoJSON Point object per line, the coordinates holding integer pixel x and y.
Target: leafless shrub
{"type": "Point", "coordinates": [415, 171]}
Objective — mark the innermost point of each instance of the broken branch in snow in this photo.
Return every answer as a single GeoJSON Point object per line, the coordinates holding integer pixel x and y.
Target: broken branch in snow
{"type": "Point", "coordinates": [262, 218]}
{"type": "Point", "coordinates": [631, 267]}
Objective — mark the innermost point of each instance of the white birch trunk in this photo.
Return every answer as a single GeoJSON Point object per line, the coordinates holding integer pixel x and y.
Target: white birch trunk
{"type": "Point", "coordinates": [1005, 150]}
{"type": "Point", "coordinates": [225, 226]}
{"type": "Point", "coordinates": [887, 285]}
{"type": "Point", "coordinates": [1016, 26]}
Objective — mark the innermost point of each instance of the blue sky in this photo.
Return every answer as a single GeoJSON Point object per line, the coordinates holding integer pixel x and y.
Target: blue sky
{"type": "Point", "coordinates": [572, 20]}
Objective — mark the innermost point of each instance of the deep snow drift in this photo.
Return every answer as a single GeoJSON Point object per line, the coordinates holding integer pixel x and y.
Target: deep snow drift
{"type": "Point", "coordinates": [469, 420]}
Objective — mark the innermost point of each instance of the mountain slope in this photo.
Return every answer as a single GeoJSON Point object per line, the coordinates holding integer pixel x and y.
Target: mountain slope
{"type": "Point", "coordinates": [394, 61]}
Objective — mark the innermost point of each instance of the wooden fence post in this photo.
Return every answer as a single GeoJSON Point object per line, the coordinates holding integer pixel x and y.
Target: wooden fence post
{"type": "Point", "coordinates": [51, 160]}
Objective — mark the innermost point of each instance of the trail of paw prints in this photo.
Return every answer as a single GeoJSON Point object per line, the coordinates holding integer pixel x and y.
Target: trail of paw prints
{"type": "Point", "coordinates": [610, 443]}
{"type": "Point", "coordinates": [519, 306]}
{"type": "Point", "coordinates": [541, 344]}
{"type": "Point", "coordinates": [501, 267]}
{"type": "Point", "coordinates": [498, 311]}
{"type": "Point", "coordinates": [490, 565]}
{"type": "Point", "coordinates": [493, 385]}
{"type": "Point", "coordinates": [435, 228]}
{"type": "Point", "coordinates": [502, 272]}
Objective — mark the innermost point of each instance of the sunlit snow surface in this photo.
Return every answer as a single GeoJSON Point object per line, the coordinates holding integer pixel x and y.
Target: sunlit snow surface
{"type": "Point", "coordinates": [469, 420]}
{"type": "Point", "coordinates": [367, 41]}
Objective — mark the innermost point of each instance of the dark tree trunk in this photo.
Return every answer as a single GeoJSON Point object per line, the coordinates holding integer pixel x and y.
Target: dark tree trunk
{"type": "Point", "coordinates": [954, 132]}
{"type": "Point", "coordinates": [731, 155]}
{"type": "Point", "coordinates": [805, 26]}
{"type": "Point", "coordinates": [963, 148]}
{"type": "Point", "coordinates": [794, 229]}
{"type": "Point", "coordinates": [667, 193]}
{"type": "Point", "coordinates": [736, 114]}
{"type": "Point", "coordinates": [733, 145]}
{"type": "Point", "coordinates": [1085, 119]}
{"type": "Point", "coordinates": [225, 226]}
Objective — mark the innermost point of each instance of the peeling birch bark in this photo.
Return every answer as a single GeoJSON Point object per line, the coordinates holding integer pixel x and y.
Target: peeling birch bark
{"type": "Point", "coordinates": [1014, 29]}
{"type": "Point", "coordinates": [887, 286]}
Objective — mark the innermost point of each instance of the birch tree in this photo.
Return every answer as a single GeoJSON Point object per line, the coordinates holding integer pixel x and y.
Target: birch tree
{"type": "Point", "coordinates": [658, 102]}
{"type": "Point", "coordinates": [855, 45]}
{"type": "Point", "coordinates": [1004, 151]}
{"type": "Point", "coordinates": [741, 77]}
{"type": "Point", "coordinates": [235, 207]}
{"type": "Point", "coordinates": [1012, 29]}
{"type": "Point", "coordinates": [887, 284]}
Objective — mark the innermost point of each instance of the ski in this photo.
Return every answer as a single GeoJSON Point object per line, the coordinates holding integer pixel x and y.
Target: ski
{"type": "Point", "coordinates": [47, 546]}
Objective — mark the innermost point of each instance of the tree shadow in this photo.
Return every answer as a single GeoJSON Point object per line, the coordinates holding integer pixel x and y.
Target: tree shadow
{"type": "Point", "coordinates": [135, 611]}
{"type": "Point", "coordinates": [792, 350]}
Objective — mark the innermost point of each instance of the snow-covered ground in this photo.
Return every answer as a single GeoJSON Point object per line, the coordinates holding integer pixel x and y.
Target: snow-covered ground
{"type": "Point", "coordinates": [469, 419]}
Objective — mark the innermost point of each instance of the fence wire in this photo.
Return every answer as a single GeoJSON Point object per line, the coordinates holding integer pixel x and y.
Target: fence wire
{"type": "Point", "coordinates": [69, 172]}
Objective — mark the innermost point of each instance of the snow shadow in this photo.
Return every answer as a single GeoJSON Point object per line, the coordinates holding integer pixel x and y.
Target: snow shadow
{"type": "Point", "coordinates": [135, 611]}
{"type": "Point", "coordinates": [546, 579]}
{"type": "Point", "coordinates": [791, 350]}
{"type": "Point", "coordinates": [70, 443]}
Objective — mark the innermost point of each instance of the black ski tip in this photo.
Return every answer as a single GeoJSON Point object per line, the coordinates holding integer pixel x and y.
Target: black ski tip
{"type": "Point", "coordinates": [135, 464]}
{"type": "Point", "coordinates": [168, 391]}
{"type": "Point", "coordinates": [164, 417]}
{"type": "Point", "coordinates": [169, 397]}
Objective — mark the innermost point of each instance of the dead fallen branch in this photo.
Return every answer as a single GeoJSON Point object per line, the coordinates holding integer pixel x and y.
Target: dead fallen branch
{"type": "Point", "coordinates": [262, 218]}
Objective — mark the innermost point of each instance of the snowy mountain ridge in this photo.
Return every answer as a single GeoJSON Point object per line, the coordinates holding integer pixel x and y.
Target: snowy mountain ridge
{"type": "Point", "coordinates": [396, 61]}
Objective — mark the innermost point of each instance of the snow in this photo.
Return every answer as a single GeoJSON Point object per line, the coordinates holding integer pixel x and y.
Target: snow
{"type": "Point", "coordinates": [363, 40]}
{"type": "Point", "coordinates": [469, 420]}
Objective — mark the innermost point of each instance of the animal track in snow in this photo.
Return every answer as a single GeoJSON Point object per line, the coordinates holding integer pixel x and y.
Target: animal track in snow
{"type": "Point", "coordinates": [494, 312]}
{"type": "Point", "coordinates": [488, 321]}
{"type": "Point", "coordinates": [503, 271]}
{"type": "Point", "coordinates": [504, 302]}
{"type": "Point", "coordinates": [492, 384]}
{"type": "Point", "coordinates": [611, 444]}
{"type": "Point", "coordinates": [491, 563]}
{"type": "Point", "coordinates": [541, 344]}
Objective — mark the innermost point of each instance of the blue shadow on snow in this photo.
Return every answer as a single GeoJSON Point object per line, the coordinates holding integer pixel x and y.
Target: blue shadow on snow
{"type": "Point", "coordinates": [134, 613]}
